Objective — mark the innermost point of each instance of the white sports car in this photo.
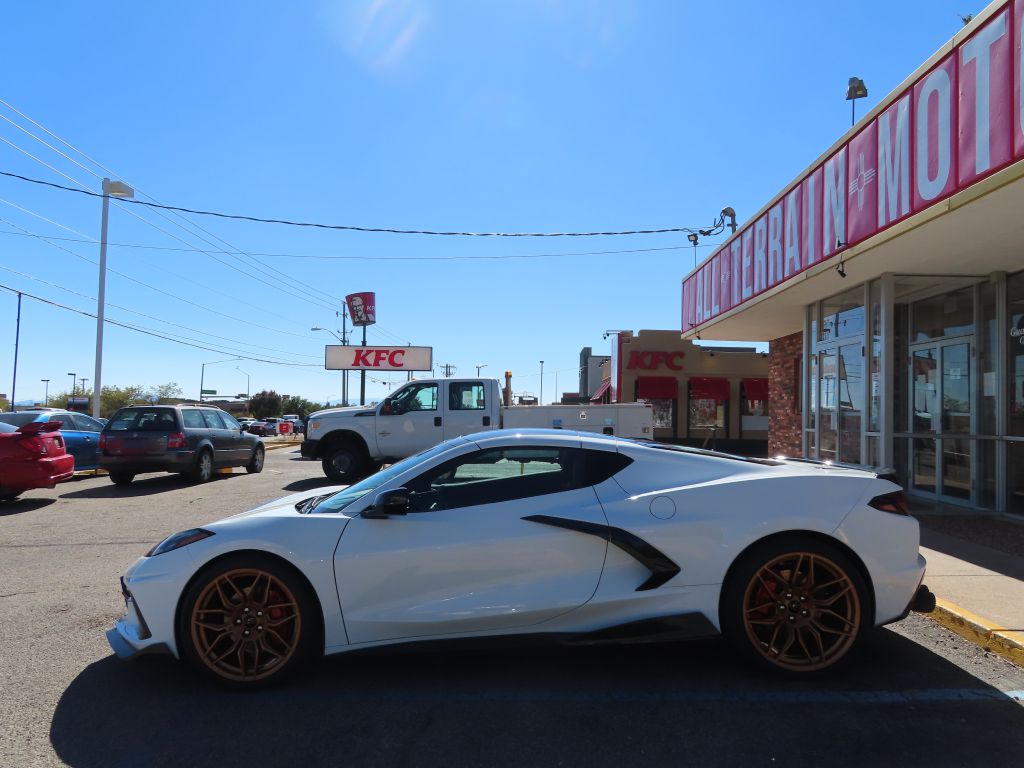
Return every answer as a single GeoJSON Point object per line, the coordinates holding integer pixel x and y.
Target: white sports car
{"type": "Point", "coordinates": [537, 532]}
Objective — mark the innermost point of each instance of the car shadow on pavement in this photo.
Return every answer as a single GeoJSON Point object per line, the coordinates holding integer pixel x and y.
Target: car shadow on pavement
{"type": "Point", "coordinates": [666, 704]}
{"type": "Point", "coordinates": [19, 506]}
{"type": "Point", "coordinates": [145, 486]}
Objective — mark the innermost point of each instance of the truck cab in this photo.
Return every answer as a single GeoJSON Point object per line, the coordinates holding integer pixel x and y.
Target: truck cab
{"type": "Point", "coordinates": [416, 416]}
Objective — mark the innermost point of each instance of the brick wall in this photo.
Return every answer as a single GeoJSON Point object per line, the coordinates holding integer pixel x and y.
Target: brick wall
{"type": "Point", "coordinates": [784, 395]}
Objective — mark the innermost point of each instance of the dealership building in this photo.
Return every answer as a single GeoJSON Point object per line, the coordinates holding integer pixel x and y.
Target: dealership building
{"type": "Point", "coordinates": [889, 279]}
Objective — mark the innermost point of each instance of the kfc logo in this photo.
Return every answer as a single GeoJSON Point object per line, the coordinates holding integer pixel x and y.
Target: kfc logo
{"type": "Point", "coordinates": [649, 361]}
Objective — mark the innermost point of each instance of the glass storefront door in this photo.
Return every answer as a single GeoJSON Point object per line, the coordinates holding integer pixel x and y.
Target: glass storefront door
{"type": "Point", "coordinates": [941, 398]}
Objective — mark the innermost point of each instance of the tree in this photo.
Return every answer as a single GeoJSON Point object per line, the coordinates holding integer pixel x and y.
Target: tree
{"type": "Point", "coordinates": [164, 393]}
{"type": "Point", "coordinates": [299, 405]}
{"type": "Point", "coordinates": [264, 404]}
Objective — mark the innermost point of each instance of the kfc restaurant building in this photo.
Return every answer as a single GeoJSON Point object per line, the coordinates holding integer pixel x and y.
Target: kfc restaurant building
{"type": "Point", "coordinates": [889, 279]}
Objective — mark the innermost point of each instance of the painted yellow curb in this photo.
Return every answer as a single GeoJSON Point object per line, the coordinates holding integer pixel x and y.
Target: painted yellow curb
{"type": "Point", "coordinates": [1006, 642]}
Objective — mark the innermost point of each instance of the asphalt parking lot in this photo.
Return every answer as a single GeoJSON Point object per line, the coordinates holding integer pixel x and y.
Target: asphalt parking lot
{"type": "Point", "coordinates": [917, 695]}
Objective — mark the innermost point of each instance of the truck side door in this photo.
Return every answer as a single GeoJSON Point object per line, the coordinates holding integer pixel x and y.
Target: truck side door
{"type": "Point", "coordinates": [469, 409]}
{"type": "Point", "coordinates": [410, 420]}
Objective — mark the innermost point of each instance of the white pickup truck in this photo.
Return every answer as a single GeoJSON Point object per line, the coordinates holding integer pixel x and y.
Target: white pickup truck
{"type": "Point", "coordinates": [353, 442]}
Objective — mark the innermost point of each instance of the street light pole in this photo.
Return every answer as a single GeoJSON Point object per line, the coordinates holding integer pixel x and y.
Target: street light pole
{"type": "Point", "coordinates": [246, 383]}
{"type": "Point", "coordinates": [541, 401]}
{"type": "Point", "coordinates": [72, 375]}
{"type": "Point", "coordinates": [481, 365]}
{"type": "Point", "coordinates": [117, 189]}
{"type": "Point", "coordinates": [202, 373]}
{"type": "Point", "coordinates": [46, 397]}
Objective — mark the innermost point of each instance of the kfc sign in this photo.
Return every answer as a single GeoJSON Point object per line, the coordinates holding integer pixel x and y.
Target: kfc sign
{"type": "Point", "coordinates": [362, 308]}
{"type": "Point", "coordinates": [650, 361]}
{"type": "Point", "coordinates": [339, 358]}
{"type": "Point", "coordinates": [961, 121]}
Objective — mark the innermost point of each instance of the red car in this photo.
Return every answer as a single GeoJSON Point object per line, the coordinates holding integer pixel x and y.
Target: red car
{"type": "Point", "coordinates": [32, 456]}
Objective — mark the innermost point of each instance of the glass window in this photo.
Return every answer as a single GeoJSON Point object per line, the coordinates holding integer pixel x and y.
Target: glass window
{"type": "Point", "coordinates": [875, 369]}
{"type": "Point", "coordinates": [415, 397]}
{"type": "Point", "coordinates": [1015, 475]}
{"type": "Point", "coordinates": [829, 386]}
{"type": "Point", "coordinates": [21, 419]}
{"type": "Point", "coordinates": [494, 475]}
{"type": "Point", "coordinates": [753, 413]}
{"type": "Point", "coordinates": [843, 315]}
{"type": "Point", "coordinates": [664, 413]}
{"type": "Point", "coordinates": [229, 420]}
{"type": "Point", "coordinates": [988, 351]}
{"type": "Point", "coordinates": [213, 420]}
{"type": "Point", "coordinates": [1015, 348]}
{"type": "Point", "coordinates": [83, 423]}
{"type": "Point", "coordinates": [143, 419]}
{"type": "Point", "coordinates": [851, 402]}
{"type": "Point", "coordinates": [193, 419]}
{"type": "Point", "coordinates": [706, 413]}
{"type": "Point", "coordinates": [466, 396]}
{"type": "Point", "coordinates": [951, 314]}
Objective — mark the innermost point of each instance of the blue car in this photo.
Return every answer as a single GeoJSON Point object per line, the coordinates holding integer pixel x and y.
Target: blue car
{"type": "Point", "coordinates": [81, 432]}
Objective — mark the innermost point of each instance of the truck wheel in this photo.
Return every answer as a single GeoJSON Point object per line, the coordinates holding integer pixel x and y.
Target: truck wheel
{"type": "Point", "coordinates": [344, 463]}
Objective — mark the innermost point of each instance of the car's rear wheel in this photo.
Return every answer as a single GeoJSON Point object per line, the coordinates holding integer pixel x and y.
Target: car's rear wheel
{"type": "Point", "coordinates": [9, 495]}
{"type": "Point", "coordinates": [255, 465]}
{"type": "Point", "coordinates": [122, 478]}
{"type": "Point", "coordinates": [795, 604]}
{"type": "Point", "coordinates": [203, 469]}
{"type": "Point", "coordinates": [344, 463]}
{"type": "Point", "coordinates": [248, 621]}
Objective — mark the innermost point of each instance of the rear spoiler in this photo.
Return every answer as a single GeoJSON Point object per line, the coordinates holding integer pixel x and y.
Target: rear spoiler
{"type": "Point", "coordinates": [885, 473]}
{"type": "Point", "coordinates": [35, 427]}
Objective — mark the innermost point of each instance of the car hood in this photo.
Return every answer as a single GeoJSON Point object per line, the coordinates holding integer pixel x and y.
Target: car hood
{"type": "Point", "coordinates": [286, 504]}
{"type": "Point", "coordinates": [346, 412]}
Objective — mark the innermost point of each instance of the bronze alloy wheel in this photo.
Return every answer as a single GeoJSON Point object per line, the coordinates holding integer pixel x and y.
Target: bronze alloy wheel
{"type": "Point", "coordinates": [245, 625]}
{"type": "Point", "coordinates": [801, 611]}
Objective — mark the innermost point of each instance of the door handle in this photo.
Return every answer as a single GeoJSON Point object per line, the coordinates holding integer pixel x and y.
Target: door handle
{"type": "Point", "coordinates": [437, 421]}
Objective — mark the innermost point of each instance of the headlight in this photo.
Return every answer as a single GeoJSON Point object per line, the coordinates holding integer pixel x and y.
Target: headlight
{"type": "Point", "coordinates": [180, 539]}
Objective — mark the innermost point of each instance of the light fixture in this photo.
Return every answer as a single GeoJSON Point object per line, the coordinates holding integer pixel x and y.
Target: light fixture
{"type": "Point", "coordinates": [855, 89]}
{"type": "Point", "coordinates": [729, 213]}
{"type": "Point", "coordinates": [840, 269]}
{"type": "Point", "coordinates": [692, 237]}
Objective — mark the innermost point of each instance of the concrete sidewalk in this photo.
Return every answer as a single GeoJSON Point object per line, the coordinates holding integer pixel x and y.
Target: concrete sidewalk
{"type": "Point", "coordinates": [976, 570]}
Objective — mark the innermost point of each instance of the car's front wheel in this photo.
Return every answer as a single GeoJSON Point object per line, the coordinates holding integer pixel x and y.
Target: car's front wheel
{"type": "Point", "coordinates": [795, 604]}
{"type": "Point", "coordinates": [248, 621]}
{"type": "Point", "coordinates": [344, 463]}
{"type": "Point", "coordinates": [255, 465]}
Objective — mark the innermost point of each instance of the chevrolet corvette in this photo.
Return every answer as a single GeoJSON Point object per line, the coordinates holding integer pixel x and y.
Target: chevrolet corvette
{"type": "Point", "coordinates": [550, 534]}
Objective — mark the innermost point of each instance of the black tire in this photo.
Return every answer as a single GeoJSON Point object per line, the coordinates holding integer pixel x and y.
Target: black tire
{"type": "Point", "coordinates": [122, 478]}
{"type": "Point", "coordinates": [795, 604]}
{"type": "Point", "coordinates": [255, 465]}
{"type": "Point", "coordinates": [9, 495]}
{"type": "Point", "coordinates": [239, 641]}
{"type": "Point", "coordinates": [202, 471]}
{"type": "Point", "coordinates": [344, 463]}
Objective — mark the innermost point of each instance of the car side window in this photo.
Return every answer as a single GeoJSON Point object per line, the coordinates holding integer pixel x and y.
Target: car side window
{"type": "Point", "coordinates": [494, 475]}
{"type": "Point", "coordinates": [229, 420]}
{"type": "Point", "coordinates": [415, 397]}
{"type": "Point", "coordinates": [466, 396]}
{"type": "Point", "coordinates": [193, 419]}
{"type": "Point", "coordinates": [80, 422]}
{"type": "Point", "coordinates": [213, 420]}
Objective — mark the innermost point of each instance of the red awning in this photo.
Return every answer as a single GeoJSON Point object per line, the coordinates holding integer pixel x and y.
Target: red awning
{"type": "Point", "coordinates": [709, 388]}
{"type": "Point", "coordinates": [657, 387]}
{"type": "Point", "coordinates": [755, 389]}
{"type": "Point", "coordinates": [605, 385]}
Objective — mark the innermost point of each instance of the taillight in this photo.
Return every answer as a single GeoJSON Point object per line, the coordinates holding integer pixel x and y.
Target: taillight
{"type": "Point", "coordinates": [34, 444]}
{"type": "Point", "coordinates": [176, 440]}
{"type": "Point", "coordinates": [895, 502]}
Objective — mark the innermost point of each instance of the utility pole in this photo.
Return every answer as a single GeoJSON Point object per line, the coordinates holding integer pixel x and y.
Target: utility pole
{"type": "Point", "coordinates": [541, 399]}
{"type": "Point", "coordinates": [83, 380]}
{"type": "Point", "coordinates": [449, 369]}
{"type": "Point", "coordinates": [46, 397]}
{"type": "Point", "coordinates": [17, 339]}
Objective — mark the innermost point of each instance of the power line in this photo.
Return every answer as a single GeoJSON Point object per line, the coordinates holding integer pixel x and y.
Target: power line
{"type": "Point", "coordinates": [471, 257]}
{"type": "Point", "coordinates": [144, 284]}
{"type": "Point", "coordinates": [158, 335]}
{"type": "Point", "coordinates": [345, 227]}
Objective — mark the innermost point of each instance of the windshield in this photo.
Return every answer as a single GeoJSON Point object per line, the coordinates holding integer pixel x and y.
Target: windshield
{"type": "Point", "coordinates": [18, 419]}
{"type": "Point", "coordinates": [343, 498]}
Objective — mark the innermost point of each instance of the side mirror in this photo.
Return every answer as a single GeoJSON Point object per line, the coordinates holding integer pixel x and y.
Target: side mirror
{"type": "Point", "coordinates": [388, 503]}
{"type": "Point", "coordinates": [386, 409]}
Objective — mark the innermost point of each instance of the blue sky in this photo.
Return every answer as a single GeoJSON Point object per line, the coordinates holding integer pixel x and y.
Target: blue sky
{"type": "Point", "coordinates": [517, 116]}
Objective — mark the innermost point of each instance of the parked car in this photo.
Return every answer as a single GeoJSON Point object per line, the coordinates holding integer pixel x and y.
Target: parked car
{"type": "Point", "coordinates": [538, 532]}
{"type": "Point", "coordinates": [189, 439]}
{"type": "Point", "coordinates": [32, 456]}
{"type": "Point", "coordinates": [245, 423]}
{"type": "Point", "coordinates": [298, 427]}
{"type": "Point", "coordinates": [258, 428]}
{"type": "Point", "coordinates": [271, 426]}
{"type": "Point", "coordinates": [81, 432]}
